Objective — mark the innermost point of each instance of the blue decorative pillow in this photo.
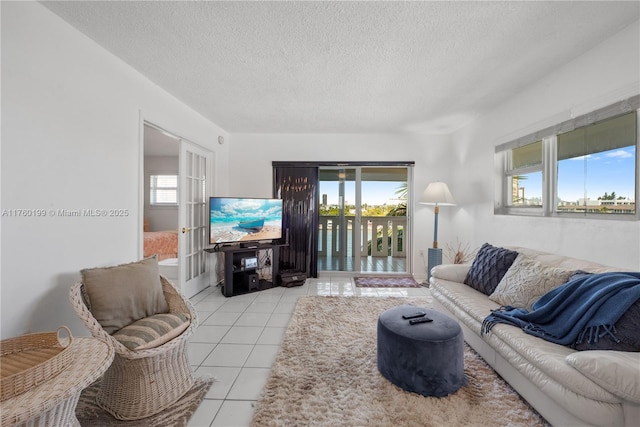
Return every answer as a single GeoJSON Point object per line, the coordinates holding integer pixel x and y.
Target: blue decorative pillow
{"type": "Point", "coordinates": [488, 267]}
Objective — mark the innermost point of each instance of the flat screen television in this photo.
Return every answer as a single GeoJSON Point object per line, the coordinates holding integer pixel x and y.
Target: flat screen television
{"type": "Point", "coordinates": [243, 219]}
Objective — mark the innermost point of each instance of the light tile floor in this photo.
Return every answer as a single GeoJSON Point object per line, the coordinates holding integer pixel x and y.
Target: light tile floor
{"type": "Point", "coordinates": [239, 337]}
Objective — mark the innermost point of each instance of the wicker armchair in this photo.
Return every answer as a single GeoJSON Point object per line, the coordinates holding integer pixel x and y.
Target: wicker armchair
{"type": "Point", "coordinates": [144, 382]}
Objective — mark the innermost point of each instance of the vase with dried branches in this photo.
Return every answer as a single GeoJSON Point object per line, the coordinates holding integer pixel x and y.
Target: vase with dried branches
{"type": "Point", "coordinates": [459, 254]}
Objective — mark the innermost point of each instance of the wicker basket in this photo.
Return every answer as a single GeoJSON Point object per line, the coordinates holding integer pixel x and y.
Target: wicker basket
{"type": "Point", "coordinates": [29, 360]}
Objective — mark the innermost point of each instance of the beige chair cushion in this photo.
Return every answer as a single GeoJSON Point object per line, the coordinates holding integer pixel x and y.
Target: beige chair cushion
{"type": "Point", "coordinates": [152, 331]}
{"type": "Point", "coordinates": [120, 295]}
{"type": "Point", "coordinates": [526, 281]}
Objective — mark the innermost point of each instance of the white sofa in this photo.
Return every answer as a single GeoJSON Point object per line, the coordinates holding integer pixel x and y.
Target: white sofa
{"type": "Point", "coordinates": [567, 387]}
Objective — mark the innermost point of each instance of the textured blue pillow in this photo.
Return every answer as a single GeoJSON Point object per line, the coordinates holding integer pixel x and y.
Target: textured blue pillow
{"type": "Point", "coordinates": [488, 267]}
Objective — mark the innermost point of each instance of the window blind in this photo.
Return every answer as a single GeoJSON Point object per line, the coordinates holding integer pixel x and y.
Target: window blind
{"type": "Point", "coordinates": [527, 155]}
{"type": "Point", "coordinates": [606, 135]}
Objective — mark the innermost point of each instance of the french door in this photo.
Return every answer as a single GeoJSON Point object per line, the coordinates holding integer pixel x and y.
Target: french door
{"type": "Point", "coordinates": [195, 181]}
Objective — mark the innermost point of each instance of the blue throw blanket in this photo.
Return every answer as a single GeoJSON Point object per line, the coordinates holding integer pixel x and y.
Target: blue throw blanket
{"type": "Point", "coordinates": [584, 308]}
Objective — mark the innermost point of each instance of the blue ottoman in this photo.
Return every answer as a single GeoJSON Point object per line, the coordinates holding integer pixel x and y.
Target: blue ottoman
{"type": "Point", "coordinates": [425, 358]}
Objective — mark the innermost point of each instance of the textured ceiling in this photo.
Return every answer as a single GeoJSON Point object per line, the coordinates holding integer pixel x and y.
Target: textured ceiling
{"type": "Point", "coordinates": [346, 66]}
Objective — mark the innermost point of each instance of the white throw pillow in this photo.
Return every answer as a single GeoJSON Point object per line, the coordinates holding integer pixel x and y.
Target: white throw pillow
{"type": "Point", "coordinates": [526, 281]}
{"type": "Point", "coordinates": [615, 371]}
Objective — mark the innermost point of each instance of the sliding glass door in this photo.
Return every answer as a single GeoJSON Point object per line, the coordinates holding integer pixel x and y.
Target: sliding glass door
{"type": "Point", "coordinates": [363, 219]}
{"type": "Point", "coordinates": [338, 249]}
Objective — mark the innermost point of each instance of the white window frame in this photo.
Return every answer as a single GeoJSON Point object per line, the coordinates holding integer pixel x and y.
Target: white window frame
{"type": "Point", "coordinates": [153, 188]}
{"type": "Point", "coordinates": [510, 172]}
{"type": "Point", "coordinates": [549, 139]}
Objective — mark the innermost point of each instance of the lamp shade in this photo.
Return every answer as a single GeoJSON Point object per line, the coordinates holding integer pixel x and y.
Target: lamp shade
{"type": "Point", "coordinates": [437, 193]}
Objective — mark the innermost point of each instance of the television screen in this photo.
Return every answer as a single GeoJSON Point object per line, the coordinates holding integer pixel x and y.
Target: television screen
{"type": "Point", "coordinates": [237, 219]}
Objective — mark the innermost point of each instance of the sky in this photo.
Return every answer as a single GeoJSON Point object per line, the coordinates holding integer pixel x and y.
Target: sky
{"type": "Point", "coordinates": [373, 192]}
{"type": "Point", "coordinates": [606, 172]}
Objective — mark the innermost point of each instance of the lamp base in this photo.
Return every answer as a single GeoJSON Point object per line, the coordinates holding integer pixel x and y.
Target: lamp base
{"type": "Point", "coordinates": [434, 257]}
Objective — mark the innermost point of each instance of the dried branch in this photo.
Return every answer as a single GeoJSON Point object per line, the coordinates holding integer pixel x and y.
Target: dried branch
{"type": "Point", "coordinates": [459, 254]}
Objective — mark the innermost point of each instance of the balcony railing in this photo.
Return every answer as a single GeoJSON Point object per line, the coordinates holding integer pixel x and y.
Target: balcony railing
{"type": "Point", "coordinates": [377, 236]}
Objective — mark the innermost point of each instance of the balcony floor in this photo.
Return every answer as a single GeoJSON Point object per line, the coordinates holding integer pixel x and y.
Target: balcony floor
{"type": "Point", "coordinates": [369, 264]}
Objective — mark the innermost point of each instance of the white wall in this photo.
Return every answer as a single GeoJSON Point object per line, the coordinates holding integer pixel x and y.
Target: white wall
{"type": "Point", "coordinates": [71, 131]}
{"type": "Point", "coordinates": [251, 175]}
{"type": "Point", "coordinates": [607, 73]}
{"type": "Point", "coordinates": [160, 217]}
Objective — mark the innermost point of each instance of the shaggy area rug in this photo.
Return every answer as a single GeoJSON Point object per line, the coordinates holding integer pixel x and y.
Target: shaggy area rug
{"type": "Point", "coordinates": [91, 415]}
{"type": "Point", "coordinates": [326, 375]}
{"type": "Point", "coordinates": [385, 282]}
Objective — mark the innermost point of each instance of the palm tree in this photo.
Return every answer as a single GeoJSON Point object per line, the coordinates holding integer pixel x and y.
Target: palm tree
{"type": "Point", "coordinates": [401, 208]}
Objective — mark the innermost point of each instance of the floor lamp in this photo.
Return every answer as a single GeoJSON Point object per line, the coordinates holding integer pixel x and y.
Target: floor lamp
{"type": "Point", "coordinates": [438, 194]}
